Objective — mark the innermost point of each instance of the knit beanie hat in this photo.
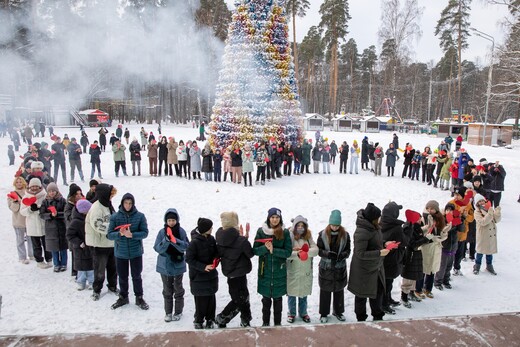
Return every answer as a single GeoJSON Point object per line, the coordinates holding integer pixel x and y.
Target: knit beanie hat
{"type": "Point", "coordinates": [432, 204]}
{"type": "Point", "coordinates": [35, 182]}
{"type": "Point", "coordinates": [171, 215]}
{"type": "Point", "coordinates": [274, 211]}
{"type": "Point", "coordinates": [335, 217]}
{"type": "Point", "coordinates": [460, 190]}
{"type": "Point", "coordinates": [468, 184]}
{"type": "Point", "coordinates": [37, 165]}
{"type": "Point", "coordinates": [83, 206]}
{"type": "Point", "coordinates": [371, 212]}
{"type": "Point", "coordinates": [392, 210]}
{"type": "Point", "coordinates": [73, 189]}
{"type": "Point", "coordinates": [204, 225]}
{"type": "Point", "coordinates": [94, 182]}
{"type": "Point", "coordinates": [478, 197]}
{"type": "Point", "coordinates": [229, 220]}
{"type": "Point", "coordinates": [299, 219]}
{"type": "Point", "coordinates": [52, 187]}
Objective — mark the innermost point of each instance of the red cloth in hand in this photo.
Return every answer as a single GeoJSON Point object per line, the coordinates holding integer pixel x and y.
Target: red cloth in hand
{"type": "Point", "coordinates": [264, 240]}
{"type": "Point", "coordinates": [13, 196]}
{"type": "Point", "coordinates": [29, 201]}
{"type": "Point", "coordinates": [170, 235]}
{"type": "Point", "coordinates": [303, 255]}
{"type": "Point", "coordinates": [216, 261]}
{"type": "Point", "coordinates": [52, 209]}
{"type": "Point", "coordinates": [305, 247]}
{"type": "Point", "coordinates": [392, 245]}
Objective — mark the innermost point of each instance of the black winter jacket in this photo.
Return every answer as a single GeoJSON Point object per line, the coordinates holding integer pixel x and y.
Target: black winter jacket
{"type": "Point", "coordinates": [76, 236]}
{"type": "Point", "coordinates": [393, 231]}
{"type": "Point", "coordinates": [55, 230]}
{"type": "Point", "coordinates": [235, 252]}
{"type": "Point", "coordinates": [412, 262]}
{"type": "Point", "coordinates": [201, 252]}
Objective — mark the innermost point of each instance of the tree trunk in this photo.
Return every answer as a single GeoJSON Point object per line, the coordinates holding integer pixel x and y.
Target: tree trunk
{"type": "Point", "coordinates": [460, 64]}
{"type": "Point", "coordinates": [295, 48]}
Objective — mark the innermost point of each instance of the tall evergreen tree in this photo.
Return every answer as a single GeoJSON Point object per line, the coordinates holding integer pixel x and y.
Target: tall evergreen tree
{"type": "Point", "coordinates": [334, 20]}
{"type": "Point", "coordinates": [214, 14]}
{"type": "Point", "coordinates": [454, 20]}
{"type": "Point", "coordinates": [296, 8]}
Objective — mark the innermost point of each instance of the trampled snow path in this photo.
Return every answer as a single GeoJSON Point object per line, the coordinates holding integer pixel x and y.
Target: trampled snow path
{"type": "Point", "coordinates": [42, 302]}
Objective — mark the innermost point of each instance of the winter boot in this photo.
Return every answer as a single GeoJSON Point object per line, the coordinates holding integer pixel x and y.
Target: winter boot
{"type": "Point", "coordinates": [139, 301]}
{"type": "Point", "coordinates": [120, 302]}
{"type": "Point", "coordinates": [393, 303]}
{"type": "Point", "coordinates": [476, 269]}
{"type": "Point", "coordinates": [490, 269]}
{"type": "Point", "coordinates": [404, 299]}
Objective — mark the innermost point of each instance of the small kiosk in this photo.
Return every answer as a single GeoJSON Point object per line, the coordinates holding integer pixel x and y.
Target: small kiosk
{"type": "Point", "coordinates": [496, 134]}
{"type": "Point", "coordinates": [343, 123]}
{"type": "Point", "coordinates": [313, 122]}
{"type": "Point", "coordinates": [370, 124]}
{"type": "Point", "coordinates": [452, 129]}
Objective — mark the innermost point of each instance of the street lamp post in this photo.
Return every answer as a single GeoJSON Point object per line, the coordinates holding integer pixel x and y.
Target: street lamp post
{"type": "Point", "coordinates": [490, 75]}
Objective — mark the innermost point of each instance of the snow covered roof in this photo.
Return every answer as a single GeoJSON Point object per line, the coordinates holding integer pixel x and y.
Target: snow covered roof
{"type": "Point", "coordinates": [509, 121]}
{"type": "Point", "coordinates": [313, 115]}
{"type": "Point", "coordinates": [385, 119]}
{"type": "Point", "coordinates": [369, 118]}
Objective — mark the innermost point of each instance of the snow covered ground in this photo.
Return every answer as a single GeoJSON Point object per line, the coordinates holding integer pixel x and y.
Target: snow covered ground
{"type": "Point", "coordinates": [39, 301]}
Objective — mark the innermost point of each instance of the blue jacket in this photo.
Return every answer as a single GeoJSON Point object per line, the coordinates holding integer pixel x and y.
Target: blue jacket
{"type": "Point", "coordinates": [463, 161]}
{"type": "Point", "coordinates": [171, 260]}
{"type": "Point", "coordinates": [128, 248]}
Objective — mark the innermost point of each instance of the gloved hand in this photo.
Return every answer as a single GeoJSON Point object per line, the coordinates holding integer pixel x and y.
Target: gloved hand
{"type": "Point", "coordinates": [34, 207]}
{"type": "Point", "coordinates": [332, 255]}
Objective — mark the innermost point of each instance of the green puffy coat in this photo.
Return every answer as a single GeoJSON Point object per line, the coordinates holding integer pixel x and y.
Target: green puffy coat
{"type": "Point", "coordinates": [272, 268]}
{"type": "Point", "coordinates": [445, 171]}
{"type": "Point", "coordinates": [306, 153]}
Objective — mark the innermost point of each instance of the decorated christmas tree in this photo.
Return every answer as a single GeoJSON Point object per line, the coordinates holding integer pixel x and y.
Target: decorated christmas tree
{"type": "Point", "coordinates": [257, 97]}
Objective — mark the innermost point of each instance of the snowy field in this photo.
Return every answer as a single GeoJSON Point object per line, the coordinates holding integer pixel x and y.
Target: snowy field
{"type": "Point", "coordinates": [39, 301]}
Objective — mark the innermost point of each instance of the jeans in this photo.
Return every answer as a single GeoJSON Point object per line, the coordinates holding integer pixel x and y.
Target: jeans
{"type": "Point", "coordinates": [459, 255]}
{"type": "Point", "coordinates": [302, 306]}
{"type": "Point", "coordinates": [297, 166]}
{"type": "Point", "coordinates": [93, 170]}
{"type": "Point", "coordinates": [136, 267]}
{"type": "Point", "coordinates": [478, 259]}
{"type": "Point", "coordinates": [84, 276]}
{"type": "Point", "coordinates": [103, 259]}
{"type": "Point", "coordinates": [172, 288]}
{"type": "Point", "coordinates": [73, 165]}
{"type": "Point", "coordinates": [443, 275]}
{"type": "Point", "coordinates": [59, 258]}
{"type": "Point", "coordinates": [20, 244]}
{"type": "Point", "coordinates": [326, 167]}
{"type": "Point", "coordinates": [217, 175]}
{"type": "Point", "coordinates": [415, 172]}
{"type": "Point", "coordinates": [57, 165]}
{"type": "Point", "coordinates": [207, 176]}
{"type": "Point", "coordinates": [426, 282]}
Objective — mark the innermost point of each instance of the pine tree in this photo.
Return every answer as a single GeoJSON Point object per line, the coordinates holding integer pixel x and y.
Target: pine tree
{"type": "Point", "coordinates": [334, 20]}
{"type": "Point", "coordinates": [256, 97]}
{"type": "Point", "coordinates": [455, 21]}
{"type": "Point", "coordinates": [296, 8]}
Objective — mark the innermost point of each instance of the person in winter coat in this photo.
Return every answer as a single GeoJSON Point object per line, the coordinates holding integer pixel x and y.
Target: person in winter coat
{"type": "Point", "coordinates": [30, 209]}
{"type": "Point", "coordinates": [144, 138]}
{"type": "Point", "coordinates": [395, 141]}
{"type": "Point", "coordinates": [126, 135]}
{"type": "Point", "coordinates": [333, 151]}
{"type": "Point", "coordinates": [371, 155]}
{"type": "Point", "coordinates": [207, 162]}
{"type": "Point", "coordinates": [334, 249]}
{"type": "Point", "coordinates": [135, 156]}
{"type": "Point", "coordinates": [378, 160]}
{"type": "Point", "coordinates": [299, 269]}
{"type": "Point", "coordinates": [91, 194]}
{"type": "Point", "coordinates": [408, 155]}
{"type": "Point", "coordinates": [128, 228]}
{"type": "Point", "coordinates": [119, 131]}
{"type": "Point", "coordinates": [200, 257]}
{"type": "Point", "coordinates": [172, 156]}
{"type": "Point", "coordinates": [51, 211]}
{"type": "Point", "coordinates": [367, 273]}
{"type": "Point", "coordinates": [195, 160]}
{"type": "Point", "coordinates": [272, 270]}
{"type": "Point", "coordinates": [306, 156]}
{"type": "Point", "coordinates": [83, 262]}
{"type": "Point", "coordinates": [95, 159]}
{"type": "Point", "coordinates": [412, 262]}
{"type": "Point", "coordinates": [316, 157]}
{"type": "Point", "coordinates": [163, 155]}
{"type": "Point", "coordinates": [325, 158]}
{"type": "Point", "coordinates": [458, 143]}
{"type": "Point", "coordinates": [152, 157]}
{"type": "Point", "coordinates": [236, 164]}
{"type": "Point", "coordinates": [424, 162]}
{"type": "Point", "coordinates": [171, 244]}
{"type": "Point", "coordinates": [113, 139]}
{"type": "Point", "coordinates": [343, 157]}
{"type": "Point", "coordinates": [182, 156]}
{"type": "Point", "coordinates": [463, 161]}
{"type": "Point", "coordinates": [288, 156]}
{"type": "Point", "coordinates": [96, 230]}
{"type": "Point", "coordinates": [445, 176]}
{"type": "Point", "coordinates": [297, 153]}
{"type": "Point", "coordinates": [28, 134]}
{"type": "Point", "coordinates": [58, 153]}
{"type": "Point", "coordinates": [354, 157]}
{"type": "Point", "coordinates": [364, 153]}
{"type": "Point", "coordinates": [217, 166]}
{"type": "Point", "coordinates": [14, 201]}
{"type": "Point", "coordinates": [151, 137]}
{"type": "Point", "coordinates": [84, 141]}
{"type": "Point", "coordinates": [416, 165]}
{"type": "Point", "coordinates": [75, 194]}
{"type": "Point", "coordinates": [247, 165]}
{"type": "Point", "coordinates": [435, 230]}
{"type": "Point", "coordinates": [496, 176]}
{"type": "Point", "coordinates": [392, 230]}
{"type": "Point", "coordinates": [391, 158]}
{"type": "Point", "coordinates": [226, 157]}
{"type": "Point", "coordinates": [235, 254]}
{"type": "Point", "coordinates": [441, 160]}
{"type": "Point", "coordinates": [119, 157]}
{"type": "Point", "coordinates": [449, 247]}
{"type": "Point", "coordinates": [262, 159]}
{"type": "Point", "coordinates": [487, 218]}
{"type": "Point", "coordinates": [103, 138]}
{"type": "Point", "coordinates": [465, 207]}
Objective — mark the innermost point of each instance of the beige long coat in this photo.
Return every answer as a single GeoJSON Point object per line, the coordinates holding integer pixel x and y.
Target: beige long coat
{"type": "Point", "coordinates": [487, 229]}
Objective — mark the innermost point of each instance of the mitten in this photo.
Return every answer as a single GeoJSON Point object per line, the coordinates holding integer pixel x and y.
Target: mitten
{"type": "Point", "coordinates": [170, 235]}
{"type": "Point", "coordinates": [34, 207]}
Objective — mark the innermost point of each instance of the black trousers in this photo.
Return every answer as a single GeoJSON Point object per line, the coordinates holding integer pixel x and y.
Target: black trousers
{"type": "Point", "coordinates": [205, 307]}
{"type": "Point", "coordinates": [407, 170]}
{"type": "Point", "coordinates": [338, 305]}
{"type": "Point", "coordinates": [388, 293]}
{"type": "Point", "coordinates": [39, 250]}
{"type": "Point", "coordinates": [182, 168]}
{"type": "Point", "coordinates": [343, 165]}
{"type": "Point", "coordinates": [495, 198]}
{"type": "Point", "coordinates": [260, 173]}
{"type": "Point", "coordinates": [173, 289]}
{"type": "Point", "coordinates": [390, 170]}
{"type": "Point", "coordinates": [239, 300]}
{"type": "Point", "coordinates": [376, 305]}
{"type": "Point", "coordinates": [104, 260]}
{"type": "Point", "coordinates": [266, 310]}
{"type": "Point", "coordinates": [57, 165]}
{"type": "Point", "coordinates": [121, 164]}
{"type": "Point", "coordinates": [161, 162]}
{"type": "Point", "coordinates": [136, 267]}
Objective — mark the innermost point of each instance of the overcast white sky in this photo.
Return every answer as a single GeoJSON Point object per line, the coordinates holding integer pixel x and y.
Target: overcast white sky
{"type": "Point", "coordinates": [365, 22]}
